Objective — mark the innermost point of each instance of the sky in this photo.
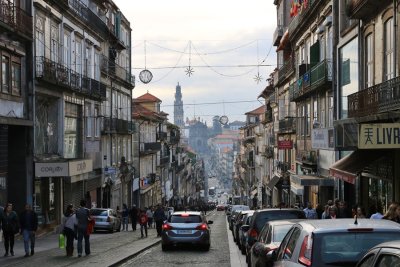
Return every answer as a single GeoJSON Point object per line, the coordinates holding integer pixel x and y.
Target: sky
{"type": "Point", "coordinates": [225, 42]}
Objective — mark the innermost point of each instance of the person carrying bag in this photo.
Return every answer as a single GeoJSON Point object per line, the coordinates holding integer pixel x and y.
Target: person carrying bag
{"type": "Point", "coordinates": [10, 226]}
{"type": "Point", "coordinates": [69, 230]}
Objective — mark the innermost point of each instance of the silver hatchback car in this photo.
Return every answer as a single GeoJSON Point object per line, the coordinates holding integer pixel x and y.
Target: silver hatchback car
{"type": "Point", "coordinates": [186, 227]}
{"type": "Point", "coordinates": [105, 219]}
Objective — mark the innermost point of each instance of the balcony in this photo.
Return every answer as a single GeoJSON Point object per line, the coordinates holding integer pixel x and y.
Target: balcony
{"type": "Point", "coordinates": [16, 19]}
{"type": "Point", "coordinates": [174, 139]}
{"type": "Point", "coordinates": [268, 116]}
{"type": "Point", "coordinates": [109, 67]}
{"type": "Point", "coordinates": [299, 22]}
{"type": "Point", "coordinates": [277, 35]}
{"type": "Point", "coordinates": [57, 74]}
{"type": "Point", "coordinates": [162, 136]}
{"type": "Point", "coordinates": [149, 148]}
{"type": "Point", "coordinates": [287, 125]}
{"type": "Point", "coordinates": [383, 97]}
{"type": "Point", "coordinates": [361, 9]}
{"type": "Point", "coordinates": [286, 70]}
{"type": "Point", "coordinates": [113, 125]}
{"type": "Point", "coordinates": [319, 77]}
{"type": "Point", "coordinates": [164, 159]}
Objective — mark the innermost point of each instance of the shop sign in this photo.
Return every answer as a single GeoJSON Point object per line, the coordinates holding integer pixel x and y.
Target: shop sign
{"type": "Point", "coordinates": [285, 144]}
{"type": "Point", "coordinates": [80, 167]}
{"type": "Point", "coordinates": [320, 139]}
{"type": "Point", "coordinates": [51, 169]}
{"type": "Point", "coordinates": [378, 136]}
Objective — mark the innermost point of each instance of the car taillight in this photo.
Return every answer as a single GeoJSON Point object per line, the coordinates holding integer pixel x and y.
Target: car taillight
{"type": "Point", "coordinates": [166, 227]}
{"type": "Point", "coordinates": [108, 219]}
{"type": "Point", "coordinates": [202, 226]}
{"type": "Point", "coordinates": [253, 233]}
{"type": "Point", "coordinates": [305, 251]}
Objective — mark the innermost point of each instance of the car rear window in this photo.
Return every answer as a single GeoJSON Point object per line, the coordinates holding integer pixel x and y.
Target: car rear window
{"type": "Point", "coordinates": [349, 246]}
{"type": "Point", "coordinates": [271, 215]}
{"type": "Point", "coordinates": [280, 231]}
{"type": "Point", "coordinates": [185, 219]}
{"type": "Point", "coordinates": [99, 212]}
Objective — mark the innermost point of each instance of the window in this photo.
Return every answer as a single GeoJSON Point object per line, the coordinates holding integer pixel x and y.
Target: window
{"type": "Point", "coordinates": [388, 260]}
{"type": "Point", "coordinates": [89, 119]}
{"type": "Point", "coordinates": [369, 70]}
{"type": "Point", "coordinates": [97, 66]}
{"type": "Point", "coordinates": [289, 249]}
{"type": "Point", "coordinates": [54, 43]}
{"type": "Point", "coordinates": [16, 78]}
{"type": "Point", "coordinates": [5, 74]}
{"type": "Point", "coordinates": [67, 49]}
{"type": "Point", "coordinates": [39, 32]}
{"type": "Point", "coordinates": [315, 111]}
{"type": "Point", "coordinates": [96, 121]}
{"type": "Point", "coordinates": [78, 56]}
{"type": "Point", "coordinates": [322, 111]}
{"type": "Point", "coordinates": [71, 132]}
{"type": "Point", "coordinates": [330, 113]}
{"type": "Point", "coordinates": [388, 49]}
{"type": "Point", "coordinates": [308, 118]}
{"type": "Point", "coordinates": [329, 44]}
{"type": "Point", "coordinates": [367, 262]}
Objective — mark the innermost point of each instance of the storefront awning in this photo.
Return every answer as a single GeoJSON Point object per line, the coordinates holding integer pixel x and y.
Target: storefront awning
{"type": "Point", "coordinates": [273, 182]}
{"type": "Point", "coordinates": [350, 166]}
{"type": "Point", "coordinates": [310, 180]}
{"type": "Point", "coordinates": [296, 189]}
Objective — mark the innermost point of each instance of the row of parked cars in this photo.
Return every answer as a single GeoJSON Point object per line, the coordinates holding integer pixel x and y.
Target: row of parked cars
{"type": "Point", "coordinates": [284, 237]}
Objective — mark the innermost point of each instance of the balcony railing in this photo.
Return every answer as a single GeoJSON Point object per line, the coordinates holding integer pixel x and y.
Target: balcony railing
{"type": "Point", "coordinates": [298, 20]}
{"type": "Point", "coordinates": [110, 67]}
{"type": "Point", "coordinates": [286, 69]}
{"type": "Point", "coordinates": [114, 125]}
{"type": "Point", "coordinates": [16, 18]}
{"type": "Point", "coordinates": [162, 136]}
{"type": "Point", "coordinates": [174, 139]}
{"type": "Point", "coordinates": [383, 97]}
{"type": "Point", "coordinates": [287, 125]}
{"type": "Point", "coordinates": [150, 148]}
{"type": "Point", "coordinates": [359, 9]}
{"type": "Point", "coordinates": [278, 35]}
{"type": "Point", "coordinates": [164, 160]}
{"type": "Point", "coordinates": [58, 74]}
{"type": "Point", "coordinates": [319, 76]}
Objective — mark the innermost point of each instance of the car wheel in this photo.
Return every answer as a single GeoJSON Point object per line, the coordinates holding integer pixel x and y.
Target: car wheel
{"type": "Point", "coordinates": [112, 229]}
{"type": "Point", "coordinates": [206, 247]}
{"type": "Point", "coordinates": [164, 247]}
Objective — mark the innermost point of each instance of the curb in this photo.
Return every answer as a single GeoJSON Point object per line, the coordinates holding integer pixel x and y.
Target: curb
{"type": "Point", "coordinates": [118, 263]}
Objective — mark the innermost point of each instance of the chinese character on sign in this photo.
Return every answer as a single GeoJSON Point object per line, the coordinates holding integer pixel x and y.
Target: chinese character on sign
{"type": "Point", "coordinates": [368, 134]}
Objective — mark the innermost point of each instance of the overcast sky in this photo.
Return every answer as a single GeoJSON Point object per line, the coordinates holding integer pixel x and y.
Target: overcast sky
{"type": "Point", "coordinates": [225, 41]}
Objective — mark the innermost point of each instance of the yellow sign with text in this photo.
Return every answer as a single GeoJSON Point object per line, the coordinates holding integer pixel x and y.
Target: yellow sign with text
{"type": "Point", "coordinates": [378, 136]}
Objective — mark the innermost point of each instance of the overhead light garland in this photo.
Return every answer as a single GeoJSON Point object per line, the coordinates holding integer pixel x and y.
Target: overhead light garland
{"type": "Point", "coordinates": [189, 70]}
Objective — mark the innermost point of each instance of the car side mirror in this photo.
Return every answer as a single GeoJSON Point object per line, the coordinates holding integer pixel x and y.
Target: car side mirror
{"type": "Point", "coordinates": [210, 222]}
{"type": "Point", "coordinates": [245, 228]}
{"type": "Point", "coordinates": [271, 255]}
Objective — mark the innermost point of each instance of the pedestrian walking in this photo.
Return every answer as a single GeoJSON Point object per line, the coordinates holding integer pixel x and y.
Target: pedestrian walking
{"type": "Point", "coordinates": [143, 220]}
{"type": "Point", "coordinates": [133, 213]}
{"type": "Point", "coordinates": [332, 213]}
{"type": "Point", "coordinates": [119, 216]}
{"type": "Point", "coordinates": [149, 214]}
{"type": "Point", "coordinates": [391, 213]}
{"type": "Point", "coordinates": [82, 221]}
{"type": "Point", "coordinates": [159, 217]}
{"type": "Point", "coordinates": [310, 212]}
{"type": "Point", "coordinates": [69, 230]}
{"type": "Point", "coordinates": [377, 215]}
{"type": "Point", "coordinates": [125, 217]}
{"type": "Point", "coordinates": [28, 220]}
{"type": "Point", "coordinates": [10, 226]}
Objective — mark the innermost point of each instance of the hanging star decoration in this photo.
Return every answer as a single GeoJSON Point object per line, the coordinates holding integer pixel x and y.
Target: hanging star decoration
{"type": "Point", "coordinates": [258, 78]}
{"type": "Point", "coordinates": [189, 71]}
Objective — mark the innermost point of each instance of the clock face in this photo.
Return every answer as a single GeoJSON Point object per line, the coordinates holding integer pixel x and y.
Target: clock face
{"type": "Point", "coordinates": [145, 76]}
{"type": "Point", "coordinates": [223, 120]}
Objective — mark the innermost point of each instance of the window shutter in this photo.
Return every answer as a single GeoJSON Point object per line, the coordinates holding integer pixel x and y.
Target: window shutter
{"type": "Point", "coordinates": [314, 54]}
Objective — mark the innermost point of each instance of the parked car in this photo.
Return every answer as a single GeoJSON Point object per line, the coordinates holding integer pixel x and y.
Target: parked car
{"type": "Point", "coordinates": [234, 212]}
{"type": "Point", "coordinates": [340, 242]}
{"type": "Point", "coordinates": [105, 219]}
{"type": "Point", "coordinates": [269, 239]}
{"type": "Point", "coordinates": [261, 217]}
{"type": "Point", "coordinates": [238, 223]}
{"type": "Point", "coordinates": [220, 207]}
{"type": "Point", "coordinates": [382, 255]}
{"type": "Point", "coordinates": [243, 231]}
{"type": "Point", "coordinates": [186, 227]}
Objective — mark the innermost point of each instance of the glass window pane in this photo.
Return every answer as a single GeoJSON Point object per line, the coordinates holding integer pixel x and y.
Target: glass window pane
{"type": "Point", "coordinates": [5, 74]}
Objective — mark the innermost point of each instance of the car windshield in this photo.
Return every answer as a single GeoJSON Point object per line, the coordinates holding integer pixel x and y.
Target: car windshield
{"type": "Point", "coordinates": [99, 212]}
{"type": "Point", "coordinates": [272, 215]}
{"type": "Point", "coordinates": [185, 219]}
{"type": "Point", "coordinates": [348, 247]}
{"type": "Point", "coordinates": [280, 231]}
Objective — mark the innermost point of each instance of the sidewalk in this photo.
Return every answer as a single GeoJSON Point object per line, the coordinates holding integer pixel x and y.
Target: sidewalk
{"type": "Point", "coordinates": [106, 250]}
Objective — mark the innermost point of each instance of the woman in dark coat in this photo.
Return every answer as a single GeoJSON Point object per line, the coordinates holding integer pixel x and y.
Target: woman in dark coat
{"type": "Point", "coordinates": [10, 226]}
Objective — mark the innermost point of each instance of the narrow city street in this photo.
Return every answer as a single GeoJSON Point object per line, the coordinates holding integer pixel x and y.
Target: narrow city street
{"type": "Point", "coordinates": [223, 251]}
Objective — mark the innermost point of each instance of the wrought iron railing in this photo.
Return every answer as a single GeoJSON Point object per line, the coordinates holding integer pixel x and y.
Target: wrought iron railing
{"type": "Point", "coordinates": [287, 125]}
{"type": "Point", "coordinates": [56, 73]}
{"type": "Point", "coordinates": [286, 69]}
{"type": "Point", "coordinates": [359, 9]}
{"type": "Point", "coordinates": [278, 35]}
{"type": "Point", "coordinates": [379, 98]}
{"type": "Point", "coordinates": [110, 67]}
{"type": "Point", "coordinates": [303, 15]}
{"type": "Point", "coordinates": [16, 18]}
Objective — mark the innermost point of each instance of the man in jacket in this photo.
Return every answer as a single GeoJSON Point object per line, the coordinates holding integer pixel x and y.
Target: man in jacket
{"type": "Point", "coordinates": [82, 218]}
{"type": "Point", "coordinates": [159, 217]}
{"type": "Point", "coordinates": [133, 213]}
{"type": "Point", "coordinates": [28, 220]}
